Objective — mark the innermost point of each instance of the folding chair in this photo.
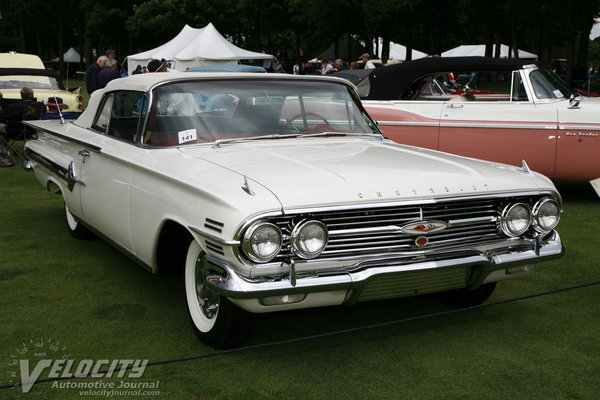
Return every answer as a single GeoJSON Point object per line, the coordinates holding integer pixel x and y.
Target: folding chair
{"type": "Point", "coordinates": [31, 111]}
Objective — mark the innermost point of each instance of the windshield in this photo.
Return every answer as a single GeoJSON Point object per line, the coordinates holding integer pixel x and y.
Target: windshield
{"type": "Point", "coordinates": [547, 85]}
{"type": "Point", "coordinates": [31, 81]}
{"type": "Point", "coordinates": [206, 111]}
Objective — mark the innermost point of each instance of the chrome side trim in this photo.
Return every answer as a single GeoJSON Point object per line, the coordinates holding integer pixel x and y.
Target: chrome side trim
{"type": "Point", "coordinates": [214, 238]}
{"type": "Point", "coordinates": [66, 174]}
{"type": "Point", "coordinates": [412, 123]}
{"type": "Point", "coordinates": [71, 139]}
{"type": "Point", "coordinates": [594, 127]}
{"type": "Point", "coordinates": [58, 170]}
{"type": "Point", "coordinates": [463, 124]}
{"type": "Point", "coordinates": [543, 125]}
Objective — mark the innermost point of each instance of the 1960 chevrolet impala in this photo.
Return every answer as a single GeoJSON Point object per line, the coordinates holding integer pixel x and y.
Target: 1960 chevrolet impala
{"type": "Point", "coordinates": [504, 110]}
{"type": "Point", "coordinates": [277, 192]}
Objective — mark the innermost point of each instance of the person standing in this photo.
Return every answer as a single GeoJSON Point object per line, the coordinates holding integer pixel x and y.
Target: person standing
{"type": "Point", "coordinates": [367, 62]}
{"type": "Point", "coordinates": [278, 69]}
{"type": "Point", "coordinates": [108, 73]}
{"type": "Point", "coordinates": [91, 74]}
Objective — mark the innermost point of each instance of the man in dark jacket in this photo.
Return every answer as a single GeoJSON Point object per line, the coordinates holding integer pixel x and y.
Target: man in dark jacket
{"type": "Point", "coordinates": [108, 73]}
{"type": "Point", "coordinates": [91, 75]}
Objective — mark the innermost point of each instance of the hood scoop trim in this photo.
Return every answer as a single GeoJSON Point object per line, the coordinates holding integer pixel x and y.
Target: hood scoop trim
{"type": "Point", "coordinates": [246, 187]}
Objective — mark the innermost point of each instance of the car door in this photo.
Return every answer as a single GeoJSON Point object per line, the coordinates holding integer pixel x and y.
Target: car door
{"type": "Point", "coordinates": [411, 122]}
{"type": "Point", "coordinates": [578, 149]}
{"type": "Point", "coordinates": [504, 126]}
{"type": "Point", "coordinates": [105, 173]}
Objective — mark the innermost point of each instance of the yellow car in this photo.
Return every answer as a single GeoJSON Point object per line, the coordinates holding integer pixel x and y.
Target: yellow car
{"type": "Point", "coordinates": [20, 70]}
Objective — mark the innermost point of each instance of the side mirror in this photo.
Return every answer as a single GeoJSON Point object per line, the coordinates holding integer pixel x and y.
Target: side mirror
{"type": "Point", "coordinates": [574, 101]}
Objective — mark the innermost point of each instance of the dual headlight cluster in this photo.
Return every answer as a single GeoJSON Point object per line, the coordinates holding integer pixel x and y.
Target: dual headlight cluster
{"type": "Point", "coordinates": [517, 218]}
{"type": "Point", "coordinates": [263, 241]}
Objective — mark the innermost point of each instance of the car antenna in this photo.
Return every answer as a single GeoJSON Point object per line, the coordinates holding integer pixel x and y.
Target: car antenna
{"type": "Point", "coordinates": [62, 120]}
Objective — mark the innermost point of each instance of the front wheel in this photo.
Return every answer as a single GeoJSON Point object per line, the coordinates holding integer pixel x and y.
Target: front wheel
{"type": "Point", "coordinates": [217, 321]}
{"type": "Point", "coordinates": [75, 227]}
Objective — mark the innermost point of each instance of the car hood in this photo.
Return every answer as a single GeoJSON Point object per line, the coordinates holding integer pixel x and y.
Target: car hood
{"type": "Point", "coordinates": [335, 171]}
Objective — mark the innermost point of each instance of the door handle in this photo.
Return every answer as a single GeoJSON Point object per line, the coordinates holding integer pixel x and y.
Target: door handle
{"type": "Point", "coordinates": [454, 105]}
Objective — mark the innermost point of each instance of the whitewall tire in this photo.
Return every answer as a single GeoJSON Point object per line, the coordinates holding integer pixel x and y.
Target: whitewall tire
{"type": "Point", "coordinates": [216, 320]}
{"type": "Point", "coordinates": [75, 227]}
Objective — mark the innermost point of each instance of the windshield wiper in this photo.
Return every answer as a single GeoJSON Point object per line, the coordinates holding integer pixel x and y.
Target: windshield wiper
{"type": "Point", "coordinates": [219, 142]}
{"type": "Point", "coordinates": [376, 135]}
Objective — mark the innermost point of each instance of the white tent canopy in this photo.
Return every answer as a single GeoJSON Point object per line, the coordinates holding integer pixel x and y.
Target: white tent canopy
{"type": "Point", "coordinates": [479, 50]}
{"type": "Point", "coordinates": [398, 51]}
{"type": "Point", "coordinates": [193, 47]}
{"type": "Point", "coordinates": [70, 56]}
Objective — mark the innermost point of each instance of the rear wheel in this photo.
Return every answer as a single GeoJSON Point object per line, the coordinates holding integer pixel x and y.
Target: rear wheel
{"type": "Point", "coordinates": [75, 227]}
{"type": "Point", "coordinates": [217, 321]}
{"type": "Point", "coordinates": [468, 297]}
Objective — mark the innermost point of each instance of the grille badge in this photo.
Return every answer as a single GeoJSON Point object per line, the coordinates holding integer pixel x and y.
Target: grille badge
{"type": "Point", "coordinates": [421, 241]}
{"type": "Point", "coordinates": [423, 227]}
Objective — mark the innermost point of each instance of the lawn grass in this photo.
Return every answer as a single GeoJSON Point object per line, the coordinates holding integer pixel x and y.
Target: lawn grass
{"type": "Point", "coordinates": [95, 303]}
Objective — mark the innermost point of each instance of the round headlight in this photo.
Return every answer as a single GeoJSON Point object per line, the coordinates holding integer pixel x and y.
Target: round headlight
{"type": "Point", "coordinates": [546, 214]}
{"type": "Point", "coordinates": [515, 219]}
{"type": "Point", "coordinates": [262, 242]}
{"type": "Point", "coordinates": [309, 239]}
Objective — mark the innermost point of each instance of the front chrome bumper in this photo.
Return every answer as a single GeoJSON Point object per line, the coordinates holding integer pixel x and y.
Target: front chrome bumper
{"type": "Point", "coordinates": [397, 277]}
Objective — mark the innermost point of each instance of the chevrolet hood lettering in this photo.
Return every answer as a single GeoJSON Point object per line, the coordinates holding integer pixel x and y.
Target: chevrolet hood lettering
{"type": "Point", "coordinates": [423, 227]}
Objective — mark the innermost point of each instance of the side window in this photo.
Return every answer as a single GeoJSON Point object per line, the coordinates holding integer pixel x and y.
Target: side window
{"type": "Point", "coordinates": [488, 86]}
{"type": "Point", "coordinates": [126, 112]}
{"type": "Point", "coordinates": [103, 116]}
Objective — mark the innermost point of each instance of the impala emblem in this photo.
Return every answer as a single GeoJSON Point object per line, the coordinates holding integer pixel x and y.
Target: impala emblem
{"type": "Point", "coordinates": [423, 227]}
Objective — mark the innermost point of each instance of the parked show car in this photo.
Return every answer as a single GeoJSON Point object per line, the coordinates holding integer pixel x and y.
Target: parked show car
{"type": "Point", "coordinates": [503, 110]}
{"type": "Point", "coordinates": [27, 70]}
{"type": "Point", "coordinates": [278, 192]}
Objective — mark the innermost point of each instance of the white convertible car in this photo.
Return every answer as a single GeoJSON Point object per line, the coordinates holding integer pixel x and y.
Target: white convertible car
{"type": "Point", "coordinates": [276, 192]}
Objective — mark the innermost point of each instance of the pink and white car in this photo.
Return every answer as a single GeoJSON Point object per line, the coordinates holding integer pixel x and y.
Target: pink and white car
{"type": "Point", "coordinates": [511, 110]}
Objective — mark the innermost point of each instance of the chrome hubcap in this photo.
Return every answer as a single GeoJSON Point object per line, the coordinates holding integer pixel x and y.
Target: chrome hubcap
{"type": "Point", "coordinates": [208, 299]}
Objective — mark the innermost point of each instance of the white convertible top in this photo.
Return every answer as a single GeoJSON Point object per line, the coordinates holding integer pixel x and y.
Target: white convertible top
{"type": "Point", "coordinates": [145, 82]}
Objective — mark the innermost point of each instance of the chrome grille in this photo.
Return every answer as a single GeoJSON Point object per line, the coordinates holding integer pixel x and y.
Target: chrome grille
{"type": "Point", "coordinates": [472, 221]}
{"type": "Point", "coordinates": [413, 283]}
{"type": "Point", "coordinates": [364, 230]}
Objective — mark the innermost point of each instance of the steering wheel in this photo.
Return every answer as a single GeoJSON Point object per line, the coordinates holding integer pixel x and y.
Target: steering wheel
{"type": "Point", "coordinates": [290, 122]}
